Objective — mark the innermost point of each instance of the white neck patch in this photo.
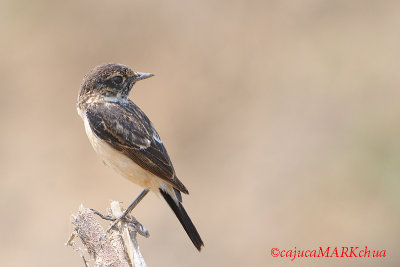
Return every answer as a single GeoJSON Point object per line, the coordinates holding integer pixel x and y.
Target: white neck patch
{"type": "Point", "coordinates": [115, 99]}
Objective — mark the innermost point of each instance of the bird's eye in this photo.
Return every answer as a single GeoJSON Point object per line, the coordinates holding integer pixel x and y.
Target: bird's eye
{"type": "Point", "coordinates": [117, 79]}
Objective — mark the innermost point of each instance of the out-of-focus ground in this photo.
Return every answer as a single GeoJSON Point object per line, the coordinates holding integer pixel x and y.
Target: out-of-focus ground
{"type": "Point", "coordinates": [281, 117]}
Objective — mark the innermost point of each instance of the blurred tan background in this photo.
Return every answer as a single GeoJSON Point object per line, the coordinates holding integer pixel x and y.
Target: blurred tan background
{"type": "Point", "coordinates": [281, 117]}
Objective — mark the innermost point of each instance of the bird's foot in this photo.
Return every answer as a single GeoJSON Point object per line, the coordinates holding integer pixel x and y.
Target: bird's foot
{"type": "Point", "coordinates": [125, 217]}
{"type": "Point", "coordinates": [104, 217]}
{"type": "Point", "coordinates": [131, 222]}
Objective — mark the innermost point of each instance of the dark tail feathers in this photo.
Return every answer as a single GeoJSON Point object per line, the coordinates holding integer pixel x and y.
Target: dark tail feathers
{"type": "Point", "coordinates": [183, 217]}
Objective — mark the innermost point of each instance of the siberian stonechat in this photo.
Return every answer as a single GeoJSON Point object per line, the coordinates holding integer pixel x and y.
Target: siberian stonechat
{"type": "Point", "coordinates": [126, 139]}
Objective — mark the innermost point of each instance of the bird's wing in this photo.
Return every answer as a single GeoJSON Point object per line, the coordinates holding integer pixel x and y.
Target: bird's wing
{"type": "Point", "coordinates": [127, 129]}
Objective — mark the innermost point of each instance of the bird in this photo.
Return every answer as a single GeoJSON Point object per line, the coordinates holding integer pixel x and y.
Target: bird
{"type": "Point", "coordinates": [126, 139]}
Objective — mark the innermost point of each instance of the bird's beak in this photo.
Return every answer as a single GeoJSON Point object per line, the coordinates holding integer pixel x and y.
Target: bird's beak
{"type": "Point", "coordinates": [141, 76]}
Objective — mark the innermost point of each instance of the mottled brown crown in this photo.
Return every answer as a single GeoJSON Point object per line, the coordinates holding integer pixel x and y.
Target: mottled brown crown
{"type": "Point", "coordinates": [100, 81]}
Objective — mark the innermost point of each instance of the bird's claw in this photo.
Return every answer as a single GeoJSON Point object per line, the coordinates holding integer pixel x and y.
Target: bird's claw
{"type": "Point", "coordinates": [104, 217]}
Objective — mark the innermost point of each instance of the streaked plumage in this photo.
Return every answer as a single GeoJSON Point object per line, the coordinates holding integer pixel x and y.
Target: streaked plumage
{"type": "Point", "coordinates": [126, 139]}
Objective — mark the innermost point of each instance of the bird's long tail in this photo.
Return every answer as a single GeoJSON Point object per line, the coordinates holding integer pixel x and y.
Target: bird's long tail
{"type": "Point", "coordinates": [183, 217]}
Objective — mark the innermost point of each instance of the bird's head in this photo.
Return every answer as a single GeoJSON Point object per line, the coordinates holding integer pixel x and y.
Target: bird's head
{"type": "Point", "coordinates": [111, 80]}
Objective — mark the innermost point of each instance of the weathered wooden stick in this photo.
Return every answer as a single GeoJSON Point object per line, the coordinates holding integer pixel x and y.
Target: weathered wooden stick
{"type": "Point", "coordinates": [119, 248]}
{"type": "Point", "coordinates": [130, 235]}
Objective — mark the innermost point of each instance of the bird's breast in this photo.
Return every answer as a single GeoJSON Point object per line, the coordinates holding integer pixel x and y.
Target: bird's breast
{"type": "Point", "coordinates": [121, 163]}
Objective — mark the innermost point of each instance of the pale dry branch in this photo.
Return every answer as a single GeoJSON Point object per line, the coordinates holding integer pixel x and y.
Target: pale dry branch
{"type": "Point", "coordinates": [118, 247]}
{"type": "Point", "coordinates": [130, 232]}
